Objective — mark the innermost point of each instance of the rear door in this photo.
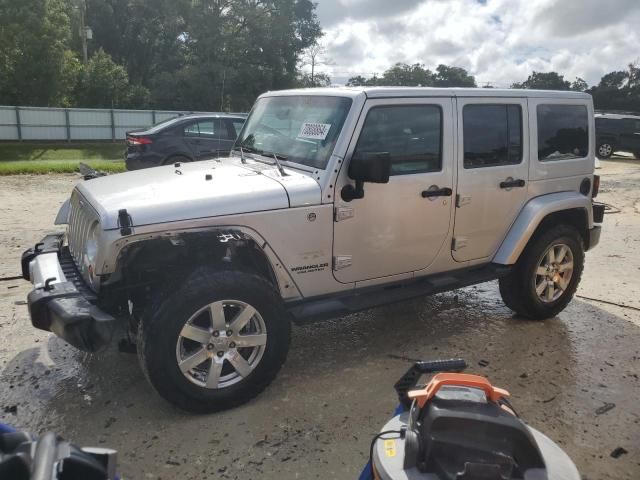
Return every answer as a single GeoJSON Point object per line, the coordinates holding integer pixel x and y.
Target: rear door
{"type": "Point", "coordinates": [191, 133]}
{"type": "Point", "coordinates": [209, 138]}
{"type": "Point", "coordinates": [226, 135]}
{"type": "Point", "coordinates": [492, 173]}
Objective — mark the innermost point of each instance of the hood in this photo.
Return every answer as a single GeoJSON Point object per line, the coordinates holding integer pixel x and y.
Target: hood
{"type": "Point", "coordinates": [195, 190]}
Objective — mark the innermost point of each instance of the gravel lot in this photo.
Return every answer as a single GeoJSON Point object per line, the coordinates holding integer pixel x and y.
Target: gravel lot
{"type": "Point", "coordinates": [336, 389]}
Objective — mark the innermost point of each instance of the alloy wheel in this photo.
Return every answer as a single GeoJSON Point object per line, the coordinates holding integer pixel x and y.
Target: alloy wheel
{"type": "Point", "coordinates": [221, 344]}
{"type": "Point", "coordinates": [554, 273]}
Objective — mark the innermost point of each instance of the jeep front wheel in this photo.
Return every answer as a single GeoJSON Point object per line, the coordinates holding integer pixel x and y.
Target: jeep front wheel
{"type": "Point", "coordinates": [545, 278]}
{"type": "Point", "coordinates": [215, 342]}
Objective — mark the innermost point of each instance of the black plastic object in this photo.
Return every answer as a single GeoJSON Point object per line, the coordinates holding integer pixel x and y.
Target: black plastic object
{"type": "Point", "coordinates": [441, 192]}
{"type": "Point", "coordinates": [598, 212]}
{"type": "Point", "coordinates": [124, 221]}
{"type": "Point", "coordinates": [89, 173]}
{"type": "Point", "coordinates": [23, 457]}
{"type": "Point", "coordinates": [463, 436]}
{"type": "Point", "coordinates": [410, 379]}
{"type": "Point", "coordinates": [373, 167]}
{"type": "Point", "coordinates": [585, 186]}
{"type": "Point", "coordinates": [518, 183]}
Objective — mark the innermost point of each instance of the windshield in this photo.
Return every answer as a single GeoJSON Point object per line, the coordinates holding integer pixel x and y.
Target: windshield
{"type": "Point", "coordinates": [300, 129]}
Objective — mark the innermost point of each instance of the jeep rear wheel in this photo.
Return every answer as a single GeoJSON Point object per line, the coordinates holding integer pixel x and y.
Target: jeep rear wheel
{"type": "Point", "coordinates": [215, 342]}
{"type": "Point", "coordinates": [545, 278]}
{"type": "Point", "coordinates": [605, 150]}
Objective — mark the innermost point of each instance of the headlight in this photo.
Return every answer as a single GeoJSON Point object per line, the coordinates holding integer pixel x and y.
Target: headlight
{"type": "Point", "coordinates": [91, 250]}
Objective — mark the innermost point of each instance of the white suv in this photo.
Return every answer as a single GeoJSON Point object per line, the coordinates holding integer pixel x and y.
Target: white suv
{"type": "Point", "coordinates": [332, 201]}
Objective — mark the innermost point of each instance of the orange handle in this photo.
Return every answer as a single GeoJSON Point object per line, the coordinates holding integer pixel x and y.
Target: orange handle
{"type": "Point", "coordinates": [422, 396]}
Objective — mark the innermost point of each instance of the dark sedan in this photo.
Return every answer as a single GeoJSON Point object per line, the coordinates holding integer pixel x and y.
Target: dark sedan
{"type": "Point", "coordinates": [183, 139]}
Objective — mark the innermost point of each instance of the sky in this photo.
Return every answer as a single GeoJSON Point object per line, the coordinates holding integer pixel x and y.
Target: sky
{"type": "Point", "coordinates": [498, 41]}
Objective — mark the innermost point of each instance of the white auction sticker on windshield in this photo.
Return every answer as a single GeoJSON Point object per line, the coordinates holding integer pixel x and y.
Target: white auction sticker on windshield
{"type": "Point", "coordinates": [315, 131]}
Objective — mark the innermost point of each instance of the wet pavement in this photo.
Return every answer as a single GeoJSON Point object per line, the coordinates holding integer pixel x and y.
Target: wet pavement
{"type": "Point", "coordinates": [574, 377]}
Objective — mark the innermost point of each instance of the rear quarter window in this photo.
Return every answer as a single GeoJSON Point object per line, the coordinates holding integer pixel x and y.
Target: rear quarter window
{"type": "Point", "coordinates": [563, 132]}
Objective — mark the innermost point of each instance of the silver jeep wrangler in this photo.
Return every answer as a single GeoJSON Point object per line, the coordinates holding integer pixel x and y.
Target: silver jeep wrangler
{"type": "Point", "coordinates": [332, 201]}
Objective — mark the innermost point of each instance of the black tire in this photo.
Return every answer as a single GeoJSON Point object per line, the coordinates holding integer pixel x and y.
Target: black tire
{"type": "Point", "coordinates": [604, 150]}
{"type": "Point", "coordinates": [637, 155]}
{"type": "Point", "coordinates": [164, 320]}
{"type": "Point", "coordinates": [518, 288]}
{"type": "Point", "coordinates": [176, 159]}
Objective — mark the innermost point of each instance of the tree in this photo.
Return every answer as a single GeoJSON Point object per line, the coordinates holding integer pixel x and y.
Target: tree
{"type": "Point", "coordinates": [315, 56]}
{"type": "Point", "coordinates": [453, 77]}
{"type": "Point", "coordinates": [618, 90]}
{"type": "Point", "coordinates": [103, 83]}
{"type": "Point", "coordinates": [579, 85]}
{"type": "Point", "coordinates": [544, 81]}
{"type": "Point", "coordinates": [319, 80]}
{"type": "Point", "coordinates": [181, 54]}
{"type": "Point", "coordinates": [145, 36]}
{"type": "Point", "coordinates": [357, 81]}
{"type": "Point", "coordinates": [614, 80]}
{"type": "Point", "coordinates": [416, 75]}
{"type": "Point", "coordinates": [405, 75]}
{"type": "Point", "coordinates": [35, 60]}
{"type": "Point", "coordinates": [233, 51]}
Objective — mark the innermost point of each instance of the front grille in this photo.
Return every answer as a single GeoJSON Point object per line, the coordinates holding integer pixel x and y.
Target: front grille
{"type": "Point", "coordinates": [72, 274]}
{"type": "Point", "coordinates": [81, 217]}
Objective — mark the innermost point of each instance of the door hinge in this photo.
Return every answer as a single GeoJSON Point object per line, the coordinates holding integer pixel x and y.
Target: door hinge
{"type": "Point", "coordinates": [342, 261]}
{"type": "Point", "coordinates": [462, 200]}
{"type": "Point", "coordinates": [459, 243]}
{"type": "Point", "coordinates": [343, 213]}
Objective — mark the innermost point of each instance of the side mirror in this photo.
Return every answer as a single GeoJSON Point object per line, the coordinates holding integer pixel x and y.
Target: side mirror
{"type": "Point", "coordinates": [373, 167]}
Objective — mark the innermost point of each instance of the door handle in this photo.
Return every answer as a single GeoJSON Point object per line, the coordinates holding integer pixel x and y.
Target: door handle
{"type": "Point", "coordinates": [441, 192]}
{"type": "Point", "coordinates": [510, 183]}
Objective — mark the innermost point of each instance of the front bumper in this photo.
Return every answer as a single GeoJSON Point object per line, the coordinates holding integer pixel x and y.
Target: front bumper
{"type": "Point", "coordinates": [60, 301]}
{"type": "Point", "coordinates": [139, 160]}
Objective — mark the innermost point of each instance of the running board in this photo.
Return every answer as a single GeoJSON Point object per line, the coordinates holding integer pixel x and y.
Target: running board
{"type": "Point", "coordinates": [344, 303]}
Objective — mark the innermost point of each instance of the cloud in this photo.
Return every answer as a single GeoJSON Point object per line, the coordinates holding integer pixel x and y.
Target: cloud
{"type": "Point", "coordinates": [566, 18]}
{"type": "Point", "coordinates": [331, 12]}
{"type": "Point", "coordinates": [499, 41]}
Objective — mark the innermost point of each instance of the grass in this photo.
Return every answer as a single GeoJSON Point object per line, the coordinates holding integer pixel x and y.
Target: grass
{"type": "Point", "coordinates": [14, 152]}
{"type": "Point", "coordinates": [57, 166]}
{"type": "Point", "coordinates": [42, 158]}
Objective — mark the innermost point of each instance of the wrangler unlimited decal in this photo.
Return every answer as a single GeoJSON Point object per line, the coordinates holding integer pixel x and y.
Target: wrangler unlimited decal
{"type": "Point", "coordinates": [317, 267]}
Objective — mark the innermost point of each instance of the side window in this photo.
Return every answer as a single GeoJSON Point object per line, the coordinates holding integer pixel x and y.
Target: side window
{"type": "Point", "coordinates": [191, 130]}
{"type": "Point", "coordinates": [412, 134]}
{"type": "Point", "coordinates": [563, 132]}
{"type": "Point", "coordinates": [632, 125]}
{"type": "Point", "coordinates": [222, 132]}
{"type": "Point", "coordinates": [207, 129]}
{"type": "Point", "coordinates": [237, 126]}
{"type": "Point", "coordinates": [492, 135]}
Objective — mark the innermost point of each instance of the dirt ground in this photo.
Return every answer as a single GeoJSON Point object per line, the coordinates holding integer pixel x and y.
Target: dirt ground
{"type": "Point", "coordinates": [336, 389]}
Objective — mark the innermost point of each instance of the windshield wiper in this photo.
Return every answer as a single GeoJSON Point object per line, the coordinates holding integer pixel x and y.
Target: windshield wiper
{"type": "Point", "coordinates": [275, 158]}
{"type": "Point", "coordinates": [242, 149]}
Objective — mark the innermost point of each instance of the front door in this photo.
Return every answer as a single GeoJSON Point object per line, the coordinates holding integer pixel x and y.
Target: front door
{"type": "Point", "coordinates": [492, 173]}
{"type": "Point", "coordinates": [630, 137]}
{"type": "Point", "coordinates": [400, 226]}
